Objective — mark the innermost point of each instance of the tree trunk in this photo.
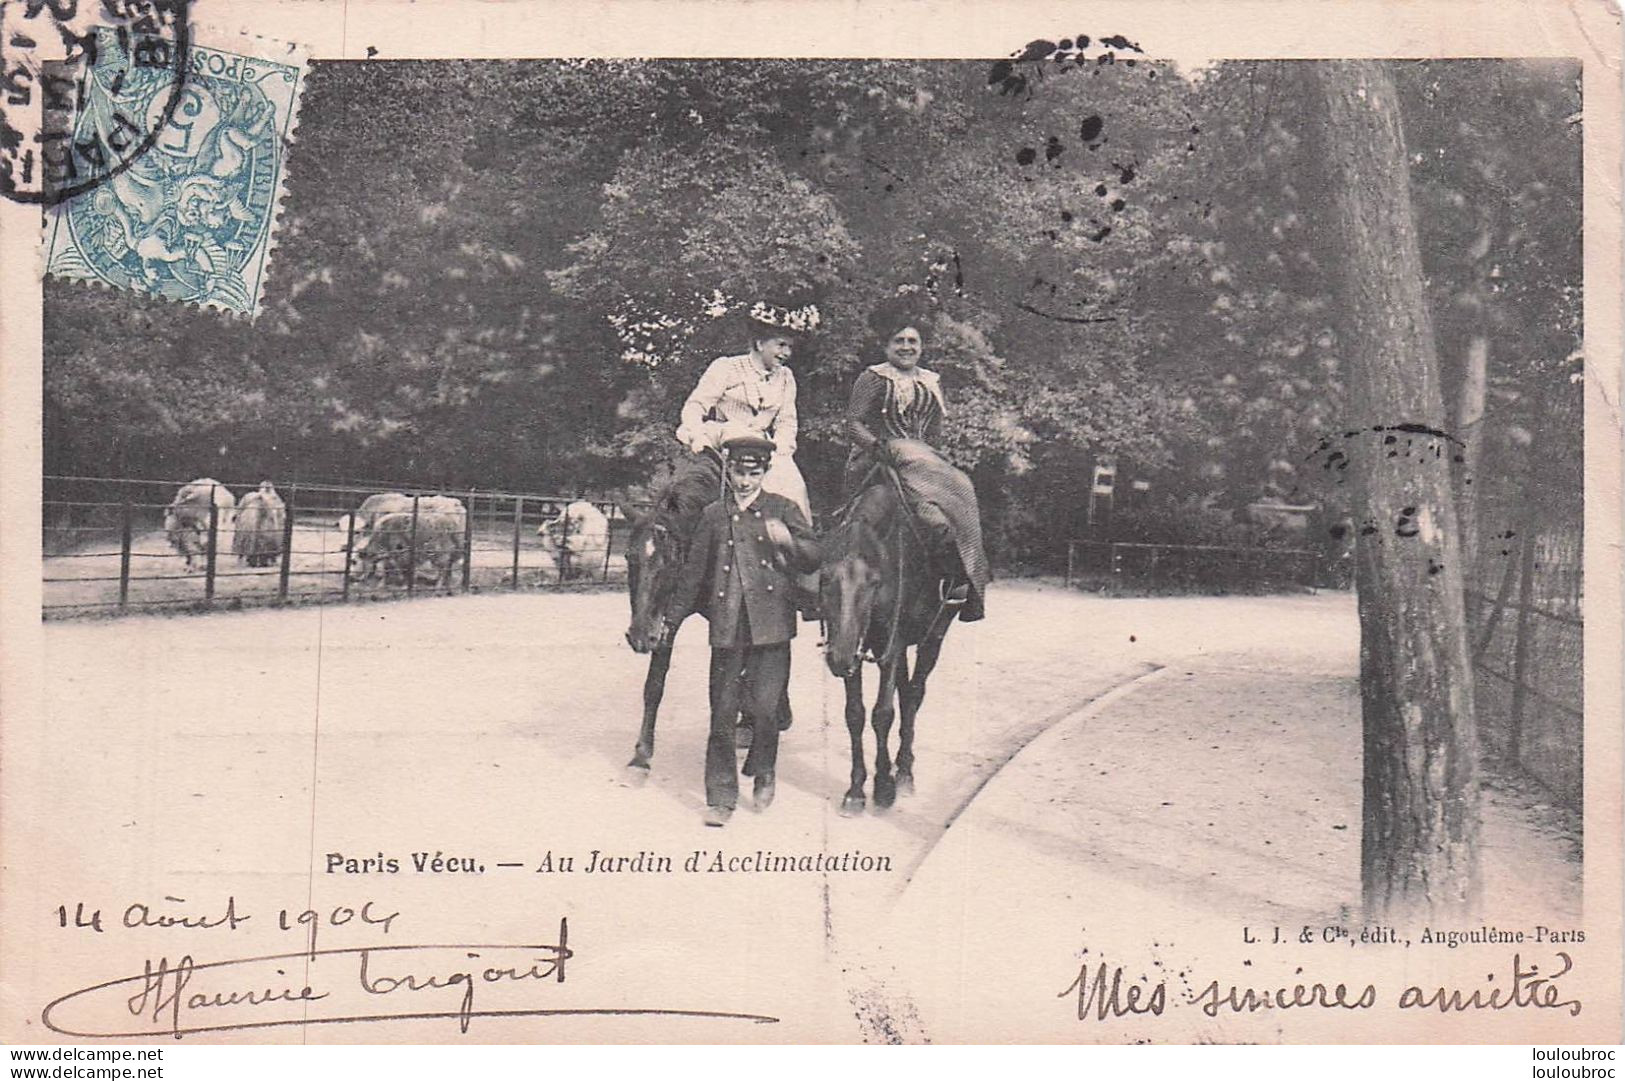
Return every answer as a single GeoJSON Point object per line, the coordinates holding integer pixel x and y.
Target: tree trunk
{"type": "Point", "coordinates": [1419, 848]}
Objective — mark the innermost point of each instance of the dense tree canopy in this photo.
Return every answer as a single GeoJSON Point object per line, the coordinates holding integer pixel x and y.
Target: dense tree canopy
{"type": "Point", "coordinates": [509, 274]}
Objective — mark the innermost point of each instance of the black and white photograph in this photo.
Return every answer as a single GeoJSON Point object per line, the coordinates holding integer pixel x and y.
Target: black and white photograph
{"type": "Point", "coordinates": [1084, 539]}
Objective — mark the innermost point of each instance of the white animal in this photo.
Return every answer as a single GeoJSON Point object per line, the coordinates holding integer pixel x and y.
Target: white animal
{"type": "Point", "coordinates": [578, 537]}
{"type": "Point", "coordinates": [383, 526]}
{"type": "Point", "coordinates": [428, 548]}
{"type": "Point", "coordinates": [371, 509]}
{"type": "Point", "coordinates": [261, 515]}
{"type": "Point", "coordinates": [186, 519]}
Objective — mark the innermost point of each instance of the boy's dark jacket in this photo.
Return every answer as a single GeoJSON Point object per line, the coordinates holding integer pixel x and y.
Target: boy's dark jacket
{"type": "Point", "coordinates": [733, 568]}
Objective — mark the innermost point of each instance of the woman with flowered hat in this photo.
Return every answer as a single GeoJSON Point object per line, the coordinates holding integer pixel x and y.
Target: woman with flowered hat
{"type": "Point", "coordinates": [754, 393]}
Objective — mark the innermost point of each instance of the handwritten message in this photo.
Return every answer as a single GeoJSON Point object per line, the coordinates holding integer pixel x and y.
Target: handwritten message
{"type": "Point", "coordinates": [1102, 992]}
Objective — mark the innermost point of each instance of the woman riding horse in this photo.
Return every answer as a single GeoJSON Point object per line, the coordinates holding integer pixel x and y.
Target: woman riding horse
{"type": "Point", "coordinates": [897, 406]}
{"type": "Point", "coordinates": [754, 393]}
{"type": "Point", "coordinates": [910, 522]}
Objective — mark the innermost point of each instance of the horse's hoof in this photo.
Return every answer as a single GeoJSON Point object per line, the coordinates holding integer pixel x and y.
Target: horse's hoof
{"type": "Point", "coordinates": [905, 783]}
{"type": "Point", "coordinates": [885, 793]}
{"type": "Point", "coordinates": [852, 806]}
{"type": "Point", "coordinates": [749, 767]}
{"type": "Point", "coordinates": [743, 734]}
{"type": "Point", "coordinates": [634, 775]}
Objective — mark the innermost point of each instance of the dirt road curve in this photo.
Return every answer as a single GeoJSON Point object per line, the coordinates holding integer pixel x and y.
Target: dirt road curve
{"type": "Point", "coordinates": [549, 678]}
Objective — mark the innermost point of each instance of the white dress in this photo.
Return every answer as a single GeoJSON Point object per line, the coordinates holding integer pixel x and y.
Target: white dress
{"type": "Point", "coordinates": [736, 397]}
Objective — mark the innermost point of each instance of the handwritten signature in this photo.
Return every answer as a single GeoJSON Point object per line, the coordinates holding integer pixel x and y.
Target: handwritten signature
{"type": "Point", "coordinates": [185, 997]}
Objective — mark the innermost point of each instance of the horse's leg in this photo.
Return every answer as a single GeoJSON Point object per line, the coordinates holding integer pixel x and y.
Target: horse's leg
{"type": "Point", "coordinates": [891, 676]}
{"type": "Point", "coordinates": [855, 716]}
{"type": "Point", "coordinates": [654, 689]}
{"type": "Point", "coordinates": [910, 695]}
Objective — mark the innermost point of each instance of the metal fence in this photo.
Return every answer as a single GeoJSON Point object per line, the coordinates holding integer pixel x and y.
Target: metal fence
{"type": "Point", "coordinates": [1525, 598]}
{"type": "Point", "coordinates": [1194, 566]}
{"type": "Point", "coordinates": [106, 550]}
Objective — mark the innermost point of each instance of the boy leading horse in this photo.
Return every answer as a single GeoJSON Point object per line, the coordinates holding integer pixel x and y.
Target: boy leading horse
{"type": "Point", "coordinates": [739, 572]}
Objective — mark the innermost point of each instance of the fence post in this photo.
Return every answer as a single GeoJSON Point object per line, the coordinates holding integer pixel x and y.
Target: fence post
{"type": "Point", "coordinates": [412, 551]}
{"type": "Point", "coordinates": [208, 568]}
{"type": "Point", "coordinates": [518, 520]}
{"type": "Point", "coordinates": [1523, 645]}
{"type": "Point", "coordinates": [566, 556]}
{"type": "Point", "coordinates": [124, 558]}
{"type": "Point", "coordinates": [468, 540]}
{"type": "Point", "coordinates": [609, 539]}
{"type": "Point", "coordinates": [348, 553]}
{"type": "Point", "coordinates": [287, 543]}
{"type": "Point", "coordinates": [1071, 547]}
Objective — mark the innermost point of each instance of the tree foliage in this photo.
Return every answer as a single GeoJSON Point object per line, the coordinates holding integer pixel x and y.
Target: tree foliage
{"type": "Point", "coordinates": [510, 273]}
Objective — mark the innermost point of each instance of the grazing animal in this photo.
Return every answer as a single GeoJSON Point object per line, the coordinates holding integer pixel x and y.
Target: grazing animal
{"type": "Point", "coordinates": [880, 594]}
{"type": "Point", "coordinates": [578, 537]}
{"type": "Point", "coordinates": [261, 517]}
{"type": "Point", "coordinates": [187, 518]}
{"type": "Point", "coordinates": [396, 548]}
{"type": "Point", "coordinates": [386, 549]}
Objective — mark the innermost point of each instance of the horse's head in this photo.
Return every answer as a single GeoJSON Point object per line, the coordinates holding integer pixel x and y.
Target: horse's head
{"type": "Point", "coordinates": [852, 580]}
{"type": "Point", "coordinates": [654, 559]}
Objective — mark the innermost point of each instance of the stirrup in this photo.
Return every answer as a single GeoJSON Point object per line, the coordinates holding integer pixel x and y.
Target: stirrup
{"type": "Point", "coordinates": [952, 600]}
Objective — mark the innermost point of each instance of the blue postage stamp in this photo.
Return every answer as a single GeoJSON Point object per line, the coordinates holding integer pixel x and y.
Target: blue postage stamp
{"type": "Point", "coordinates": [192, 218]}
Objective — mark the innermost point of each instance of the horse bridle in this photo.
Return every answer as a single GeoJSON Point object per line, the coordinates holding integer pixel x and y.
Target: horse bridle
{"type": "Point", "coordinates": [678, 555]}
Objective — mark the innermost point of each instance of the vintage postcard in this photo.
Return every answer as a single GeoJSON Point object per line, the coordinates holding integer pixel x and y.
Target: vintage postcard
{"type": "Point", "coordinates": [752, 522]}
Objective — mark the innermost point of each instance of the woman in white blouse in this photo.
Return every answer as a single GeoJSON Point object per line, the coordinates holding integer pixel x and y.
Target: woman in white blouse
{"type": "Point", "coordinates": [755, 393]}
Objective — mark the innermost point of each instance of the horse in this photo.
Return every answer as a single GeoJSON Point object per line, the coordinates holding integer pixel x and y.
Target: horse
{"type": "Point", "coordinates": [655, 552]}
{"type": "Point", "coordinates": [880, 593]}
